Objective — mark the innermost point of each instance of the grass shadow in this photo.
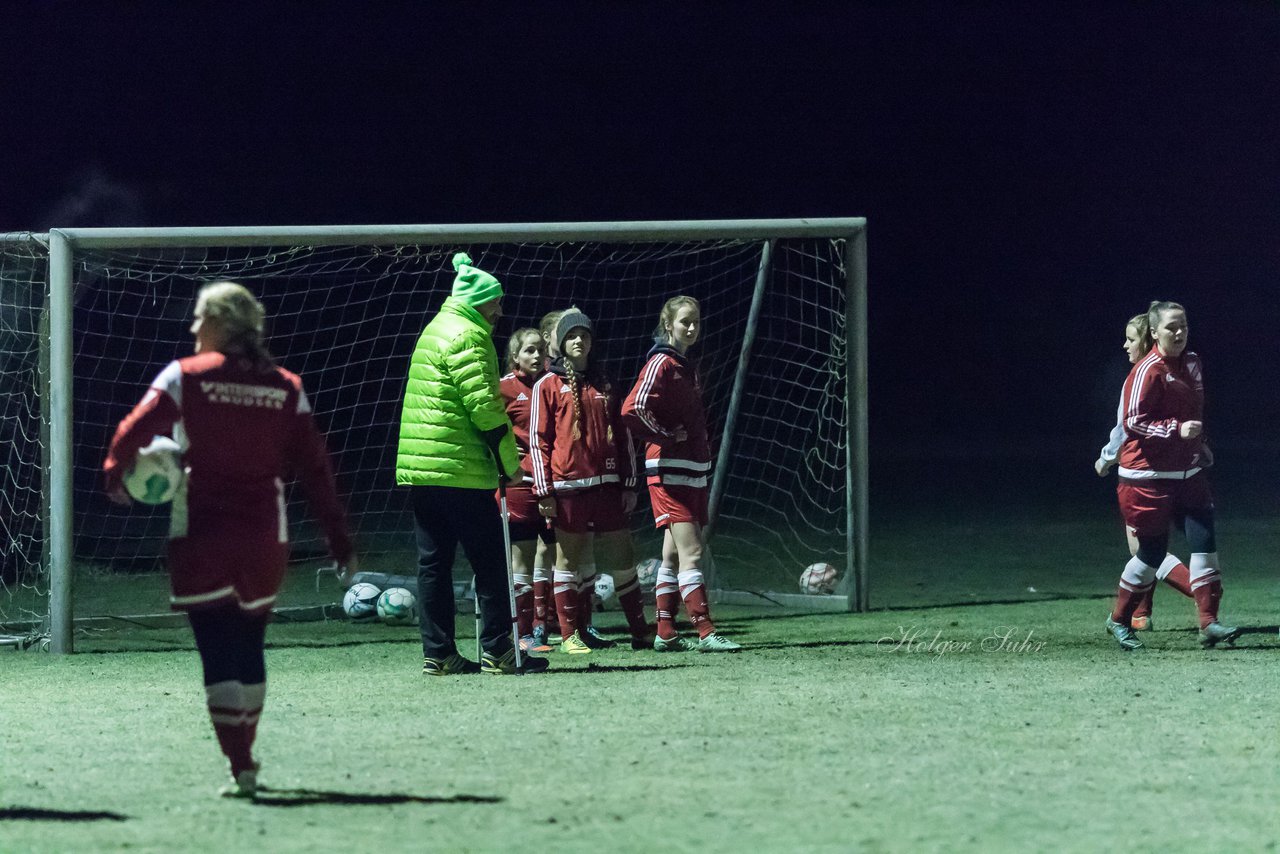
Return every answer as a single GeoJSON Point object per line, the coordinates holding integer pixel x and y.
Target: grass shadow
{"type": "Point", "coordinates": [593, 667]}
{"type": "Point", "coordinates": [809, 644]}
{"type": "Point", "coordinates": [272, 797]}
{"type": "Point", "coordinates": [41, 814]}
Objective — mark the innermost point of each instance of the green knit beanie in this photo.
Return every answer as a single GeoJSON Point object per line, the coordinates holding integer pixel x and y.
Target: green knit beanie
{"type": "Point", "coordinates": [472, 285]}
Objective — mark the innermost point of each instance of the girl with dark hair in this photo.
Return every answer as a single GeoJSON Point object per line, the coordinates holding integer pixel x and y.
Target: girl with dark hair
{"type": "Point", "coordinates": [1172, 571]}
{"type": "Point", "coordinates": [1162, 479]}
{"type": "Point", "coordinates": [584, 476]}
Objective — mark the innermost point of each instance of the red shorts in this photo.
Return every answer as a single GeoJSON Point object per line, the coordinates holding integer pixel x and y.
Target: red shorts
{"type": "Point", "coordinates": [522, 514]}
{"type": "Point", "coordinates": [1150, 506]}
{"type": "Point", "coordinates": [247, 569]}
{"type": "Point", "coordinates": [596, 510]}
{"type": "Point", "coordinates": [673, 503]}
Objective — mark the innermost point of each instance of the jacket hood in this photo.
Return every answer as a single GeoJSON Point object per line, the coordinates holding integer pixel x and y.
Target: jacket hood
{"type": "Point", "coordinates": [454, 305]}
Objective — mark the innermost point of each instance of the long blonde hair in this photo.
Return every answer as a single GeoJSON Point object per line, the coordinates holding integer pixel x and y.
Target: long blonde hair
{"type": "Point", "coordinates": [1142, 325]}
{"type": "Point", "coordinates": [667, 316]}
{"type": "Point", "coordinates": [241, 317]}
{"type": "Point", "coordinates": [547, 328]}
{"type": "Point", "coordinates": [516, 344]}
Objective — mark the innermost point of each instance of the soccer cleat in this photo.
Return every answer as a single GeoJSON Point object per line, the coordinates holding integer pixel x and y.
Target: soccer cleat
{"type": "Point", "coordinates": [540, 635]}
{"type": "Point", "coordinates": [451, 665]}
{"type": "Point", "coordinates": [675, 644]}
{"type": "Point", "coordinates": [1142, 624]}
{"type": "Point", "coordinates": [529, 643]}
{"type": "Point", "coordinates": [594, 639]}
{"type": "Point", "coordinates": [574, 645]}
{"type": "Point", "coordinates": [1216, 633]}
{"type": "Point", "coordinates": [242, 785]}
{"type": "Point", "coordinates": [716, 643]}
{"type": "Point", "coordinates": [645, 641]}
{"type": "Point", "coordinates": [1127, 638]}
{"type": "Point", "coordinates": [505, 664]}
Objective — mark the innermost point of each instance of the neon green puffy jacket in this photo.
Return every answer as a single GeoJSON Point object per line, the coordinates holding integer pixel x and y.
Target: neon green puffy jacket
{"type": "Point", "coordinates": [451, 398]}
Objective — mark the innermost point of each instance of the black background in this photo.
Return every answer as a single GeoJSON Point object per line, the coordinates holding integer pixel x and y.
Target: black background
{"type": "Point", "coordinates": [1032, 174]}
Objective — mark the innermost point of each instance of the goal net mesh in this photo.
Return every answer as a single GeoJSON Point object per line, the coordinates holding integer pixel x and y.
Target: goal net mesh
{"type": "Point", "coordinates": [24, 582]}
{"type": "Point", "coordinates": [346, 319]}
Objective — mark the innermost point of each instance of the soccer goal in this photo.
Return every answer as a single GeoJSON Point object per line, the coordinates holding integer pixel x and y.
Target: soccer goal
{"type": "Point", "coordinates": [91, 315]}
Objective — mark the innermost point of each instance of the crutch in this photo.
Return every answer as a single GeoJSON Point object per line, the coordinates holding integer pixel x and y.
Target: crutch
{"type": "Point", "coordinates": [511, 579]}
{"type": "Point", "coordinates": [475, 601]}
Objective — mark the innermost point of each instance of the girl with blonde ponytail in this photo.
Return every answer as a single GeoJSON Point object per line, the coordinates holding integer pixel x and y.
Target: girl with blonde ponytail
{"type": "Point", "coordinates": [245, 428]}
{"type": "Point", "coordinates": [665, 409]}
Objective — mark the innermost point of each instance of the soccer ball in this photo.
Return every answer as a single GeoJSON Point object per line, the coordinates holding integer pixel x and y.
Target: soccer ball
{"type": "Point", "coordinates": [604, 595]}
{"type": "Point", "coordinates": [397, 607]}
{"type": "Point", "coordinates": [647, 573]}
{"type": "Point", "coordinates": [157, 473]}
{"type": "Point", "coordinates": [361, 601]}
{"type": "Point", "coordinates": [818, 579]}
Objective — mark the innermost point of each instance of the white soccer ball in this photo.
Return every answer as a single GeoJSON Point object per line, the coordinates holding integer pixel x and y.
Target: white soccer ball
{"type": "Point", "coordinates": [397, 607]}
{"type": "Point", "coordinates": [647, 573]}
{"type": "Point", "coordinates": [361, 601]}
{"type": "Point", "coordinates": [157, 473]}
{"type": "Point", "coordinates": [605, 595]}
{"type": "Point", "coordinates": [818, 579]}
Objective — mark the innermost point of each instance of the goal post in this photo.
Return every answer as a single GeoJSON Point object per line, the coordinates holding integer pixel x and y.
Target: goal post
{"type": "Point", "coordinates": [783, 362]}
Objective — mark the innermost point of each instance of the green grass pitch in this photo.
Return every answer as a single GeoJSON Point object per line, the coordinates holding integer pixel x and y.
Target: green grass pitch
{"type": "Point", "coordinates": [992, 727]}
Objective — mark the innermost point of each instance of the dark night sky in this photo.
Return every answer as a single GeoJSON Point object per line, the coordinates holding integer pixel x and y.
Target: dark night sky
{"type": "Point", "coordinates": [1032, 175]}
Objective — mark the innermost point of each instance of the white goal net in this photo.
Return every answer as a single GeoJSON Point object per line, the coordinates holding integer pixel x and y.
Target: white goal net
{"type": "Point", "coordinates": [345, 316]}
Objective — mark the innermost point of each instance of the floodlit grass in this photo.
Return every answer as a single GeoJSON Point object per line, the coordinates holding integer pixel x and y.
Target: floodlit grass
{"type": "Point", "coordinates": [820, 736]}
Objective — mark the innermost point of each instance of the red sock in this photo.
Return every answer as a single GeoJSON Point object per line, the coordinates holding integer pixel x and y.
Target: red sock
{"type": "Point", "coordinates": [1179, 578]}
{"type": "Point", "coordinates": [632, 603]}
{"type": "Point", "coordinates": [667, 596]}
{"type": "Point", "coordinates": [1126, 603]}
{"type": "Point", "coordinates": [1144, 602]}
{"type": "Point", "coordinates": [524, 613]}
{"type": "Point", "coordinates": [1207, 597]}
{"type": "Point", "coordinates": [567, 609]}
{"type": "Point", "coordinates": [695, 604]}
{"type": "Point", "coordinates": [235, 743]}
{"type": "Point", "coordinates": [541, 598]}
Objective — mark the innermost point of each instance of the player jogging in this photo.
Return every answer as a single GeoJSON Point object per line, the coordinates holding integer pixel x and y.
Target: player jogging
{"type": "Point", "coordinates": [531, 535]}
{"type": "Point", "coordinates": [1161, 477]}
{"type": "Point", "coordinates": [584, 476]}
{"type": "Point", "coordinates": [244, 425]}
{"type": "Point", "coordinates": [665, 408]}
{"type": "Point", "coordinates": [1137, 343]}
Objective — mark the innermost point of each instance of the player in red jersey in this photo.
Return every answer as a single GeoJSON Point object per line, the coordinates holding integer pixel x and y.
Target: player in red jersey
{"type": "Point", "coordinates": [584, 476]}
{"type": "Point", "coordinates": [545, 621]}
{"type": "Point", "coordinates": [1137, 343]}
{"type": "Point", "coordinates": [1162, 479]}
{"type": "Point", "coordinates": [531, 535]}
{"type": "Point", "coordinates": [665, 408]}
{"type": "Point", "coordinates": [245, 426]}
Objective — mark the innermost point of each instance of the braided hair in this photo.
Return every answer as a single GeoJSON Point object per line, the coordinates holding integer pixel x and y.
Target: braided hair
{"type": "Point", "coordinates": [576, 388]}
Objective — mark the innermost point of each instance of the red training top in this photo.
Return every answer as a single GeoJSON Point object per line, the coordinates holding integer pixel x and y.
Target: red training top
{"type": "Point", "coordinates": [667, 395]}
{"type": "Point", "coordinates": [517, 391]}
{"type": "Point", "coordinates": [243, 431]}
{"type": "Point", "coordinates": [602, 453]}
{"type": "Point", "coordinates": [1159, 395]}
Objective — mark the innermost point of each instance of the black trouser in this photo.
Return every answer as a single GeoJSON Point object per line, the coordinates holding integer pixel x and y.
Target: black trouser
{"type": "Point", "coordinates": [230, 643]}
{"type": "Point", "coordinates": [445, 516]}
